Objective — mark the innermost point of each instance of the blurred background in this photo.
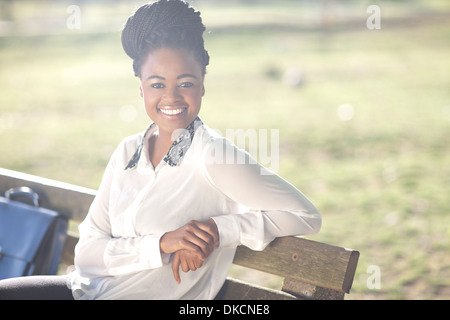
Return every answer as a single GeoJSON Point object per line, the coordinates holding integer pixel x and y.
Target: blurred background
{"type": "Point", "coordinates": [359, 91]}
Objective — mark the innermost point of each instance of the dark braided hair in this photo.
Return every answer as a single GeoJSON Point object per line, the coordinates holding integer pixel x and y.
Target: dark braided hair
{"type": "Point", "coordinates": [164, 23]}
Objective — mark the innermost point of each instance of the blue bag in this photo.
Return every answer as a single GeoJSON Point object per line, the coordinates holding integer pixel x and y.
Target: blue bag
{"type": "Point", "coordinates": [31, 238]}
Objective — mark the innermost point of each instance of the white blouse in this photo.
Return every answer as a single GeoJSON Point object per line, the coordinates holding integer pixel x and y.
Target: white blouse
{"type": "Point", "coordinates": [118, 254]}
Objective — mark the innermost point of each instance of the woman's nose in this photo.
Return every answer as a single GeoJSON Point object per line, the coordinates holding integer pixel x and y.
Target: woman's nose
{"type": "Point", "coordinates": [172, 93]}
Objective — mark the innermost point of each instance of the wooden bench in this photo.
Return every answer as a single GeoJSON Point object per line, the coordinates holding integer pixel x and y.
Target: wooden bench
{"type": "Point", "coordinates": [311, 270]}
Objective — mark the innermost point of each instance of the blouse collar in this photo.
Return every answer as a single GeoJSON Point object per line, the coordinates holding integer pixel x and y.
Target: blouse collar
{"type": "Point", "coordinates": [178, 148]}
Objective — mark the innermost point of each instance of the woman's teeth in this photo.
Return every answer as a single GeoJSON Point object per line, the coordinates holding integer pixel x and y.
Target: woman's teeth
{"type": "Point", "coordinates": [171, 112]}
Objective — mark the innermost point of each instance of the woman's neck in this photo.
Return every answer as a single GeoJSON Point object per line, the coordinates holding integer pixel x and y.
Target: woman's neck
{"type": "Point", "coordinates": [159, 145]}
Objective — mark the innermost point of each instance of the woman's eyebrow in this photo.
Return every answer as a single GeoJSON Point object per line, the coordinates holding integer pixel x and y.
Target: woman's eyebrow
{"type": "Point", "coordinates": [186, 75]}
{"type": "Point", "coordinates": [155, 77]}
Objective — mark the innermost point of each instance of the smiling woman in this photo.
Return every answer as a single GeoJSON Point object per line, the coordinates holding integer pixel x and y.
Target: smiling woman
{"type": "Point", "coordinates": [170, 199]}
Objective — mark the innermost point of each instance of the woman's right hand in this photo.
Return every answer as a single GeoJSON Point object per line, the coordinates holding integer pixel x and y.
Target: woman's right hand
{"type": "Point", "coordinates": [187, 261]}
{"type": "Point", "coordinates": [197, 237]}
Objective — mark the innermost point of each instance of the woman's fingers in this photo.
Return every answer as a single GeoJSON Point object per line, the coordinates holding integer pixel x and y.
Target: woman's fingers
{"type": "Point", "coordinates": [189, 245]}
{"type": "Point", "coordinates": [187, 261]}
{"type": "Point", "coordinates": [198, 237]}
{"type": "Point", "coordinates": [210, 228]}
{"type": "Point", "coordinates": [182, 239]}
{"type": "Point", "coordinates": [184, 264]}
{"type": "Point", "coordinates": [176, 267]}
{"type": "Point", "coordinates": [207, 231]}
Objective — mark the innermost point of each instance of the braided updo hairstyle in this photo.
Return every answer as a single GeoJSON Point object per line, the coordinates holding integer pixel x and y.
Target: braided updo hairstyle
{"type": "Point", "coordinates": [164, 23]}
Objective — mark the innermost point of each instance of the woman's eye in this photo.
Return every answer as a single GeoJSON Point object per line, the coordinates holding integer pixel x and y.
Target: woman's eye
{"type": "Point", "coordinates": [186, 84]}
{"type": "Point", "coordinates": [157, 85]}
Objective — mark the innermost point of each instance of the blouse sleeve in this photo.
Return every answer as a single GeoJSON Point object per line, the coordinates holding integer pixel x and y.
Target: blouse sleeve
{"type": "Point", "coordinates": [275, 207]}
{"type": "Point", "coordinates": [98, 252]}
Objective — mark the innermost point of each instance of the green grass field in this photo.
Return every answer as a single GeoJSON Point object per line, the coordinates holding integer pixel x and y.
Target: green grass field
{"type": "Point", "coordinates": [365, 135]}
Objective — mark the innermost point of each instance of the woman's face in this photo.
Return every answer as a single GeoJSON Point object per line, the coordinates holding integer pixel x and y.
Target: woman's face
{"type": "Point", "coordinates": [172, 88]}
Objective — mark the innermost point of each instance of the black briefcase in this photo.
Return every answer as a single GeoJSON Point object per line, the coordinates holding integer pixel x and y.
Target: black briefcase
{"type": "Point", "coordinates": [31, 238]}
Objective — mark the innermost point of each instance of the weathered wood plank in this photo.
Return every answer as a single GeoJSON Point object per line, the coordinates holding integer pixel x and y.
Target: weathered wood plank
{"type": "Point", "coordinates": [70, 200]}
{"type": "Point", "coordinates": [68, 254]}
{"type": "Point", "coordinates": [303, 260]}
{"type": "Point", "coordinates": [234, 289]}
{"type": "Point", "coordinates": [309, 291]}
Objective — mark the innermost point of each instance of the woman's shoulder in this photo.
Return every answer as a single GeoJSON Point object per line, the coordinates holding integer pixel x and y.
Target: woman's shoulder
{"type": "Point", "coordinates": [127, 148]}
{"type": "Point", "coordinates": [132, 141]}
{"type": "Point", "coordinates": [216, 147]}
{"type": "Point", "coordinates": [210, 137]}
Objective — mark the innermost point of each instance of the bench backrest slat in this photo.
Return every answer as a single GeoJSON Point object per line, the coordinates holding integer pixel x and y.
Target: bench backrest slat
{"type": "Point", "coordinates": [234, 289]}
{"type": "Point", "coordinates": [304, 260]}
{"type": "Point", "coordinates": [68, 199]}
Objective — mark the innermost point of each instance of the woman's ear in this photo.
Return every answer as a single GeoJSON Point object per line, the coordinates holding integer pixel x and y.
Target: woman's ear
{"type": "Point", "coordinates": [141, 93]}
{"type": "Point", "coordinates": [203, 92]}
